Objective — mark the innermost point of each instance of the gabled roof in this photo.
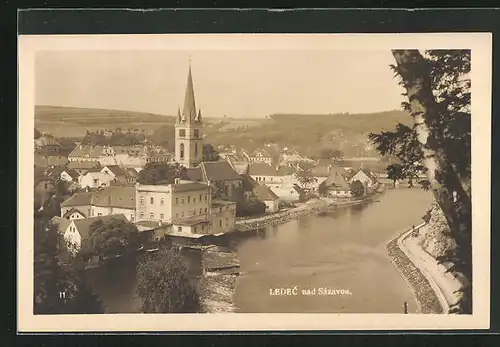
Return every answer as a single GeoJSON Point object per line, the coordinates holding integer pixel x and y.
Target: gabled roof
{"type": "Point", "coordinates": [62, 223]}
{"type": "Point", "coordinates": [83, 165]}
{"type": "Point", "coordinates": [337, 179]}
{"type": "Point", "coordinates": [192, 186]}
{"type": "Point", "coordinates": [116, 170]}
{"type": "Point", "coordinates": [78, 199]}
{"type": "Point", "coordinates": [73, 210]}
{"type": "Point", "coordinates": [115, 196]}
{"type": "Point", "coordinates": [194, 174]}
{"type": "Point", "coordinates": [218, 171]}
{"type": "Point", "coordinates": [71, 172]}
{"type": "Point", "coordinates": [50, 160]}
{"type": "Point", "coordinates": [263, 193]}
{"type": "Point", "coordinates": [263, 169]}
{"type": "Point", "coordinates": [261, 152]}
{"type": "Point", "coordinates": [83, 225]}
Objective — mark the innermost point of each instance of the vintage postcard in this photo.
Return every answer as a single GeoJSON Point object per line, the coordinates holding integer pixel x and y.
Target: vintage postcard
{"type": "Point", "coordinates": [254, 182]}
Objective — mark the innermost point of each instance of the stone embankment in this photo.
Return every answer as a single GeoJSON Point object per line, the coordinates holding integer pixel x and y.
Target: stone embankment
{"type": "Point", "coordinates": [425, 295]}
{"type": "Point", "coordinates": [311, 207]}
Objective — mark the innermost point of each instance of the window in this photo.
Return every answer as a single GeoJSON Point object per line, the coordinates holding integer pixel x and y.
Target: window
{"type": "Point", "coordinates": [183, 200]}
{"type": "Point", "coordinates": [161, 216]}
{"type": "Point", "coordinates": [194, 212]}
{"type": "Point", "coordinates": [176, 216]}
{"type": "Point", "coordinates": [142, 200]}
{"type": "Point", "coordinates": [220, 222]}
{"type": "Point", "coordinates": [227, 222]}
{"type": "Point", "coordinates": [45, 185]}
{"type": "Point", "coordinates": [177, 201]}
{"type": "Point", "coordinates": [152, 201]}
{"type": "Point", "coordinates": [99, 214]}
{"type": "Point", "coordinates": [132, 217]}
{"type": "Point", "coordinates": [142, 215]}
{"type": "Point", "coordinates": [203, 227]}
{"type": "Point", "coordinates": [201, 211]}
{"type": "Point", "coordinates": [162, 201]}
{"type": "Point", "coordinates": [196, 133]}
{"type": "Point", "coordinates": [220, 209]}
{"type": "Point", "coordinates": [205, 197]}
{"type": "Point", "coordinates": [205, 210]}
{"type": "Point", "coordinates": [182, 151]}
{"type": "Point", "coordinates": [189, 199]}
{"type": "Point", "coordinates": [194, 200]}
{"type": "Point", "coordinates": [151, 215]}
{"type": "Point", "coordinates": [179, 229]}
{"type": "Point", "coordinates": [182, 132]}
{"type": "Point", "coordinates": [200, 197]}
{"type": "Point", "coordinates": [196, 149]}
{"type": "Point", "coordinates": [194, 229]}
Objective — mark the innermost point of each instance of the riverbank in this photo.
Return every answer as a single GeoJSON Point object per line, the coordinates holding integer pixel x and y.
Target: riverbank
{"type": "Point", "coordinates": [428, 296]}
{"type": "Point", "coordinates": [315, 206]}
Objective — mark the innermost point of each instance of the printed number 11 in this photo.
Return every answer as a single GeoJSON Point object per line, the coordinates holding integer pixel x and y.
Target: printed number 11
{"type": "Point", "coordinates": [62, 295]}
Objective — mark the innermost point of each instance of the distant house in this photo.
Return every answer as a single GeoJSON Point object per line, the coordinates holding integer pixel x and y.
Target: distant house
{"type": "Point", "coordinates": [265, 173]}
{"type": "Point", "coordinates": [118, 174]}
{"type": "Point", "coordinates": [222, 216]}
{"type": "Point", "coordinates": [74, 213]}
{"type": "Point", "coordinates": [108, 201]}
{"type": "Point", "coordinates": [69, 175]}
{"type": "Point", "coordinates": [366, 177]}
{"type": "Point", "coordinates": [260, 156]}
{"type": "Point", "coordinates": [47, 161]}
{"type": "Point", "coordinates": [77, 232]}
{"type": "Point", "coordinates": [268, 197]}
{"type": "Point", "coordinates": [47, 145]}
{"type": "Point", "coordinates": [94, 179]}
{"type": "Point", "coordinates": [61, 223]}
{"type": "Point", "coordinates": [287, 192]}
{"type": "Point", "coordinates": [83, 166]}
{"type": "Point", "coordinates": [337, 184]}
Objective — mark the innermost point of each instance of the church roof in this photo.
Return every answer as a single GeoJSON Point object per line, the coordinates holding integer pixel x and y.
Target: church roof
{"type": "Point", "coordinates": [189, 115]}
{"type": "Point", "coordinates": [218, 171]}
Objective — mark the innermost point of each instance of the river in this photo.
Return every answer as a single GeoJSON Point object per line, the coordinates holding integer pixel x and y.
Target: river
{"type": "Point", "coordinates": [344, 249]}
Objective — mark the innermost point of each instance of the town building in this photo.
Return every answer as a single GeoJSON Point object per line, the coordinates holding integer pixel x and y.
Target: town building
{"type": "Point", "coordinates": [265, 173]}
{"type": "Point", "coordinates": [366, 177]}
{"type": "Point", "coordinates": [337, 184]}
{"type": "Point", "coordinates": [260, 156]}
{"type": "Point", "coordinates": [188, 130]}
{"type": "Point", "coordinates": [44, 188]}
{"type": "Point", "coordinates": [47, 145]}
{"type": "Point", "coordinates": [69, 175]}
{"type": "Point", "coordinates": [94, 179]}
{"type": "Point", "coordinates": [48, 161]}
{"type": "Point", "coordinates": [83, 166]}
{"type": "Point", "coordinates": [268, 197]}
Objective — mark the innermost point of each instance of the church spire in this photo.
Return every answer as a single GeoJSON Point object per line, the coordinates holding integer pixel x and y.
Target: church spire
{"type": "Point", "coordinates": [189, 110]}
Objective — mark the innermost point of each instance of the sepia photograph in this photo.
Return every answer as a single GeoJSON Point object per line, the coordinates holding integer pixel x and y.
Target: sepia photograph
{"type": "Point", "coordinates": [203, 179]}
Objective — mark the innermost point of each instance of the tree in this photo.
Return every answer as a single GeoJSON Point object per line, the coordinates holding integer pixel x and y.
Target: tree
{"type": "Point", "coordinates": [110, 237]}
{"type": "Point", "coordinates": [58, 288]}
{"type": "Point", "coordinates": [357, 188]}
{"type": "Point", "coordinates": [161, 173]}
{"type": "Point", "coordinates": [210, 153]}
{"type": "Point", "coordinates": [164, 284]}
{"type": "Point", "coordinates": [251, 207]}
{"type": "Point", "coordinates": [164, 136]}
{"type": "Point", "coordinates": [437, 86]}
{"type": "Point", "coordinates": [395, 173]}
{"type": "Point", "coordinates": [305, 177]}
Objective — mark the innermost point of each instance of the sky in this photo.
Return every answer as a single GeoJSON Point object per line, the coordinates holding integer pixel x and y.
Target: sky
{"type": "Point", "coordinates": [235, 83]}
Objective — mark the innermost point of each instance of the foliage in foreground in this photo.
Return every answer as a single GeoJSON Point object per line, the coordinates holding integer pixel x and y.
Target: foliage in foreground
{"type": "Point", "coordinates": [59, 284]}
{"type": "Point", "coordinates": [164, 284]}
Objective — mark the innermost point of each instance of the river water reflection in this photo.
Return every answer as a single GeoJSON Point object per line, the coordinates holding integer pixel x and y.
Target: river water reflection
{"type": "Point", "coordinates": [344, 249]}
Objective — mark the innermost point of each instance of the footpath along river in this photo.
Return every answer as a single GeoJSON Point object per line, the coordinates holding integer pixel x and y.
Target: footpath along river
{"type": "Point", "coordinates": [340, 250]}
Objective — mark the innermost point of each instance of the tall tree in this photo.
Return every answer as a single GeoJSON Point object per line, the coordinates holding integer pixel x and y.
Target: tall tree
{"type": "Point", "coordinates": [111, 237]}
{"type": "Point", "coordinates": [161, 173]}
{"type": "Point", "coordinates": [437, 86]}
{"type": "Point", "coordinates": [305, 178]}
{"type": "Point", "coordinates": [210, 153]}
{"type": "Point", "coordinates": [164, 284]}
{"type": "Point", "coordinates": [59, 284]}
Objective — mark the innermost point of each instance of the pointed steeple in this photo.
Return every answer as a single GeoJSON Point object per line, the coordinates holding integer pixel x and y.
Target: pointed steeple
{"type": "Point", "coordinates": [189, 110]}
{"type": "Point", "coordinates": [198, 117]}
{"type": "Point", "coordinates": [179, 117]}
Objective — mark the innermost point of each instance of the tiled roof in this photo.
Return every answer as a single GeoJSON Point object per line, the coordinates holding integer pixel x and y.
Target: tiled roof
{"type": "Point", "coordinates": [249, 183]}
{"type": "Point", "coordinates": [263, 169]}
{"type": "Point", "coordinates": [186, 187]}
{"type": "Point", "coordinates": [87, 151]}
{"type": "Point", "coordinates": [192, 221]}
{"type": "Point", "coordinates": [263, 193]}
{"type": "Point", "coordinates": [62, 223]}
{"type": "Point", "coordinates": [132, 172]}
{"type": "Point", "coordinates": [51, 160]}
{"type": "Point", "coordinates": [83, 225]}
{"type": "Point", "coordinates": [337, 179]}
{"type": "Point", "coordinates": [116, 170]}
{"type": "Point", "coordinates": [88, 164]}
{"type": "Point", "coordinates": [194, 174]}
{"type": "Point", "coordinates": [78, 199]}
{"type": "Point", "coordinates": [72, 173]}
{"type": "Point", "coordinates": [73, 210]}
{"type": "Point", "coordinates": [218, 171]}
{"type": "Point", "coordinates": [115, 196]}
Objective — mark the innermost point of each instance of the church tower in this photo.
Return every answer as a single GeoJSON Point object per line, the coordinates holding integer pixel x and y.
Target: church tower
{"type": "Point", "coordinates": [188, 130]}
